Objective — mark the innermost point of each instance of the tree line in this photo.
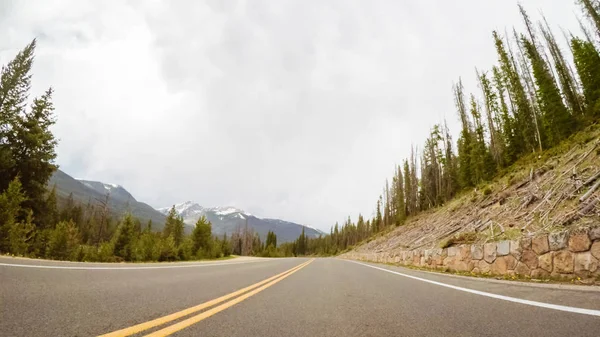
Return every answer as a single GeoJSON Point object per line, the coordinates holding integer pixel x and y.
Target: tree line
{"type": "Point", "coordinates": [530, 100]}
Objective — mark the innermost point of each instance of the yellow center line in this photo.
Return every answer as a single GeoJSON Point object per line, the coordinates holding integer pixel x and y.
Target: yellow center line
{"type": "Point", "coordinates": [168, 318]}
{"type": "Point", "coordinates": [195, 319]}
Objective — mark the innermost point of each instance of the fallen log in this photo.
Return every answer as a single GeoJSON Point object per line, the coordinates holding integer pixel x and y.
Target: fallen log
{"type": "Point", "coordinates": [521, 185]}
{"type": "Point", "coordinates": [576, 215]}
{"type": "Point", "coordinates": [590, 191]}
{"type": "Point", "coordinates": [592, 179]}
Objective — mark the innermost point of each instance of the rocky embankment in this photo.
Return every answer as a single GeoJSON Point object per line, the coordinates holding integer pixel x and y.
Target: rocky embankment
{"type": "Point", "coordinates": [569, 254]}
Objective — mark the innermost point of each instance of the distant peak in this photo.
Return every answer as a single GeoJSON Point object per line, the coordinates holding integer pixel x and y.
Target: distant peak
{"type": "Point", "coordinates": [184, 207]}
{"type": "Point", "coordinates": [192, 207]}
{"type": "Point", "coordinates": [226, 210]}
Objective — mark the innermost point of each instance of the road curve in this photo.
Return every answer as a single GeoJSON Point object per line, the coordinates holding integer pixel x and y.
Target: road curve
{"type": "Point", "coordinates": [278, 297]}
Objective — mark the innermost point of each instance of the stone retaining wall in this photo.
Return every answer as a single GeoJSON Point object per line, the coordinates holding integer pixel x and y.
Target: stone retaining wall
{"type": "Point", "coordinates": [567, 254]}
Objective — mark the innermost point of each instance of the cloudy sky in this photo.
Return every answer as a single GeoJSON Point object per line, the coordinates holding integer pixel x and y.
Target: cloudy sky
{"type": "Point", "coordinates": [290, 109]}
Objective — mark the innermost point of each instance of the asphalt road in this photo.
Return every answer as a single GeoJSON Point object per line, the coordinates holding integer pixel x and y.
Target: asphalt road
{"type": "Point", "coordinates": [320, 297]}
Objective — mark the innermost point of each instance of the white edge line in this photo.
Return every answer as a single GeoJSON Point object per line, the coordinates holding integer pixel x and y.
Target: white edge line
{"type": "Point", "coordinates": [496, 296]}
{"type": "Point", "coordinates": [127, 268]}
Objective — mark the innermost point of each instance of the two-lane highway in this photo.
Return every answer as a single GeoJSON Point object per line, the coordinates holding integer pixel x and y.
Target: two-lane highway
{"type": "Point", "coordinates": [278, 297]}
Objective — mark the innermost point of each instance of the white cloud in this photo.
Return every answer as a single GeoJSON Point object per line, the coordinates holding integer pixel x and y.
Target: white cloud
{"type": "Point", "coordinates": [288, 109]}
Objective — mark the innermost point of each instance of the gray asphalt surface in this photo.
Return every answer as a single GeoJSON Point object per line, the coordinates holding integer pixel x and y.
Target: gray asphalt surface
{"type": "Point", "coordinates": [329, 297]}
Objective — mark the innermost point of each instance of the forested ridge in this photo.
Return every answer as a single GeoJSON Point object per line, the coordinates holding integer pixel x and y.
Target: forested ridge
{"type": "Point", "coordinates": [532, 99]}
{"type": "Point", "coordinates": [543, 88]}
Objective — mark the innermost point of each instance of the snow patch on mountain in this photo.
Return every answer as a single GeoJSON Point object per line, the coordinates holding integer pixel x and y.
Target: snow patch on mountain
{"type": "Point", "coordinates": [311, 227]}
{"type": "Point", "coordinates": [189, 208]}
{"type": "Point", "coordinates": [227, 210]}
{"type": "Point", "coordinates": [107, 186]}
{"type": "Point", "coordinates": [183, 208]}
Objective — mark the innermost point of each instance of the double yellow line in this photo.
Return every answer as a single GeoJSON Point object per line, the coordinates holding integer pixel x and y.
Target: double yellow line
{"type": "Point", "coordinates": [245, 293]}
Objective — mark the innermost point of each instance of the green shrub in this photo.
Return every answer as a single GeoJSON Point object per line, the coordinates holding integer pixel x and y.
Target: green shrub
{"type": "Point", "coordinates": [462, 238]}
{"type": "Point", "coordinates": [20, 235]}
{"type": "Point", "coordinates": [487, 191]}
{"type": "Point", "coordinates": [124, 238]}
{"type": "Point", "coordinates": [145, 248]}
{"type": "Point", "coordinates": [106, 252]}
{"type": "Point", "coordinates": [10, 207]}
{"type": "Point", "coordinates": [64, 239]}
{"type": "Point", "coordinates": [168, 250]}
{"type": "Point", "coordinates": [89, 253]}
{"type": "Point", "coordinates": [270, 251]}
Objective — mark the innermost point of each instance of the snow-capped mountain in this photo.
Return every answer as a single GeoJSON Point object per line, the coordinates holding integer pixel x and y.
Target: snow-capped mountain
{"type": "Point", "coordinates": [187, 210]}
{"type": "Point", "coordinates": [191, 212]}
{"type": "Point", "coordinates": [227, 219]}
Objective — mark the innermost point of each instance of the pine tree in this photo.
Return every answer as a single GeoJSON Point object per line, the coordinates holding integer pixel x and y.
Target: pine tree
{"type": "Point", "coordinates": [174, 227]}
{"type": "Point", "coordinates": [145, 247]}
{"type": "Point", "coordinates": [450, 174]}
{"type": "Point", "coordinates": [526, 74]}
{"type": "Point", "coordinates": [465, 141]}
{"type": "Point", "coordinates": [587, 62]}
{"type": "Point", "coordinates": [225, 245]}
{"type": "Point", "coordinates": [64, 240]}
{"type": "Point", "coordinates": [525, 131]}
{"type": "Point", "coordinates": [168, 249]}
{"type": "Point", "coordinates": [50, 216]}
{"type": "Point", "coordinates": [387, 205]}
{"type": "Point", "coordinates": [482, 165]}
{"type": "Point", "coordinates": [408, 189]}
{"type": "Point", "coordinates": [201, 236]}
{"type": "Point", "coordinates": [377, 225]}
{"type": "Point", "coordinates": [15, 82]}
{"type": "Point", "coordinates": [592, 10]}
{"type": "Point", "coordinates": [399, 197]}
{"type": "Point", "coordinates": [558, 123]}
{"type": "Point", "coordinates": [27, 147]}
{"type": "Point", "coordinates": [10, 208]}
{"type": "Point", "coordinates": [361, 227]}
{"type": "Point", "coordinates": [414, 180]}
{"type": "Point", "coordinates": [564, 73]}
{"type": "Point", "coordinates": [271, 239]}
{"type": "Point", "coordinates": [21, 235]}
{"type": "Point", "coordinates": [301, 244]}
{"type": "Point", "coordinates": [33, 151]}
{"type": "Point", "coordinates": [125, 238]}
{"type": "Point", "coordinates": [431, 170]}
{"type": "Point", "coordinates": [494, 122]}
{"type": "Point", "coordinates": [507, 122]}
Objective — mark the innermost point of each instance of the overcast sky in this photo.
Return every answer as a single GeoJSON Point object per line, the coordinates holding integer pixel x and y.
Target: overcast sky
{"type": "Point", "coordinates": [289, 109]}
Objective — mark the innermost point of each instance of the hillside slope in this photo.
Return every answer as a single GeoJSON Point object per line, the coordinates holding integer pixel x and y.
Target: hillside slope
{"type": "Point", "coordinates": [120, 200]}
{"type": "Point", "coordinates": [554, 191]}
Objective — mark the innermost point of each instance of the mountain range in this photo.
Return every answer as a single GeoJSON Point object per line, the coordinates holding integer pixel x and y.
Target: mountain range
{"type": "Point", "coordinates": [228, 219]}
{"type": "Point", "coordinates": [120, 201]}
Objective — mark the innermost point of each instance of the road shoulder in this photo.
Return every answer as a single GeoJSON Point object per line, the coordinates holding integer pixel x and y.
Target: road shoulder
{"type": "Point", "coordinates": [586, 297]}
